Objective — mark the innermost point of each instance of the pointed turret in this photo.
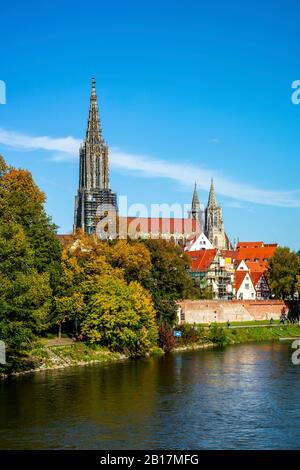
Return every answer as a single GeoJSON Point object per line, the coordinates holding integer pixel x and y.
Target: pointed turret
{"type": "Point", "coordinates": [212, 198]}
{"type": "Point", "coordinates": [195, 212]}
{"type": "Point", "coordinates": [214, 226]}
{"type": "Point", "coordinates": [195, 201]}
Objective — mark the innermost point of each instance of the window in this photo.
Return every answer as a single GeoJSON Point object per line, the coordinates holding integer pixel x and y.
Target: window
{"type": "Point", "coordinates": [256, 260]}
{"type": "Point", "coordinates": [247, 285]}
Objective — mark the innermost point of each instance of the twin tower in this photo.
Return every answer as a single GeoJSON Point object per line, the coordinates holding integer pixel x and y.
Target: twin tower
{"type": "Point", "coordinates": [94, 189]}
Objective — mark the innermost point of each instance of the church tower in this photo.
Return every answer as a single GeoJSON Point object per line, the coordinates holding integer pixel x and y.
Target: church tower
{"type": "Point", "coordinates": [94, 195]}
{"type": "Point", "coordinates": [214, 226]}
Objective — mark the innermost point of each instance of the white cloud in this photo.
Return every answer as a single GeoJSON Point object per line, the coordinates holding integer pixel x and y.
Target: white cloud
{"type": "Point", "coordinates": [26, 142]}
{"type": "Point", "coordinates": [66, 148]}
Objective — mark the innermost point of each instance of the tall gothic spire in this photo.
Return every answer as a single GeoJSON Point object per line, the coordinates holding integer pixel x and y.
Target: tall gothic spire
{"type": "Point", "coordinates": [195, 200]}
{"type": "Point", "coordinates": [93, 133]}
{"type": "Point", "coordinates": [212, 198]}
{"type": "Point", "coordinates": [94, 194]}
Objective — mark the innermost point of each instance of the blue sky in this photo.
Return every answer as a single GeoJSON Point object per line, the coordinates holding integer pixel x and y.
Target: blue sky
{"type": "Point", "coordinates": [187, 90]}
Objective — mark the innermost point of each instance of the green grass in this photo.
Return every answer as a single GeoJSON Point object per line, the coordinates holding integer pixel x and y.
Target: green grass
{"type": "Point", "coordinates": [73, 354]}
{"type": "Point", "coordinates": [219, 335]}
{"type": "Point", "coordinates": [245, 335]}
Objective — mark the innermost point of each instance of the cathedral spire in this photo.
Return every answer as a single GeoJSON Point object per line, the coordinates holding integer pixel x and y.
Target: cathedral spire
{"type": "Point", "coordinates": [195, 200]}
{"type": "Point", "coordinates": [212, 198]}
{"type": "Point", "coordinates": [195, 212]}
{"type": "Point", "coordinates": [93, 133]}
{"type": "Point", "coordinates": [94, 194]}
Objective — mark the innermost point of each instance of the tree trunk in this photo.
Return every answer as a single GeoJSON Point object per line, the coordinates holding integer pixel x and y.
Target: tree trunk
{"type": "Point", "coordinates": [59, 331]}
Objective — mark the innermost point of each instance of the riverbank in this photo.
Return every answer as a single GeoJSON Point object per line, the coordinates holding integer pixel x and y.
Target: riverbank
{"type": "Point", "coordinates": [224, 336]}
{"type": "Point", "coordinates": [268, 333]}
{"type": "Point", "coordinates": [44, 357]}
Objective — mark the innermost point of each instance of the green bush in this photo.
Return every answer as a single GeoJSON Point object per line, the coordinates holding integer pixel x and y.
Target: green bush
{"type": "Point", "coordinates": [217, 335]}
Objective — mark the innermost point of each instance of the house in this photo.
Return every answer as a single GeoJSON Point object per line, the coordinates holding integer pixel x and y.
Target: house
{"type": "Point", "coordinates": [209, 269]}
{"type": "Point", "coordinates": [258, 279]}
{"type": "Point", "coordinates": [243, 288]}
{"type": "Point", "coordinates": [198, 242]}
{"type": "Point", "coordinates": [255, 254]}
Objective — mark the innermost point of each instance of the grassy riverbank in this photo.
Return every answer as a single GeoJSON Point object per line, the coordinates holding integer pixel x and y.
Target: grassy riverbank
{"type": "Point", "coordinates": [223, 336]}
{"type": "Point", "coordinates": [245, 335]}
{"type": "Point", "coordinates": [46, 357]}
{"type": "Point", "coordinates": [49, 357]}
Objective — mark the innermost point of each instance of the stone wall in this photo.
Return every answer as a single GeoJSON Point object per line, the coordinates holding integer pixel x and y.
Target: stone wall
{"type": "Point", "coordinates": [205, 311]}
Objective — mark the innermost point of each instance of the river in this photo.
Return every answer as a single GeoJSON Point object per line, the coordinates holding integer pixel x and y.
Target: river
{"type": "Point", "coordinates": [241, 397]}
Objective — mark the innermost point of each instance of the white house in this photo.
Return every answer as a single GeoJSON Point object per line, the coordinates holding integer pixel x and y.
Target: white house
{"type": "Point", "coordinates": [200, 242]}
{"type": "Point", "coordinates": [243, 286]}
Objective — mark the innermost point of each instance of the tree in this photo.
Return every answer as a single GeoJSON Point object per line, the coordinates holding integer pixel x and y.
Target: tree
{"type": "Point", "coordinates": [132, 257]}
{"type": "Point", "coordinates": [121, 317]}
{"type": "Point", "coordinates": [22, 201]}
{"type": "Point", "coordinates": [25, 294]}
{"type": "Point", "coordinates": [282, 271]}
{"type": "Point", "coordinates": [298, 284]}
{"type": "Point", "coordinates": [168, 280]}
{"type": "Point", "coordinates": [69, 302]}
{"type": "Point", "coordinates": [206, 293]}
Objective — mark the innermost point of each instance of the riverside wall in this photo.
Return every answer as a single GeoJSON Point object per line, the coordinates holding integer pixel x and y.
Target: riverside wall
{"type": "Point", "coordinates": [205, 311]}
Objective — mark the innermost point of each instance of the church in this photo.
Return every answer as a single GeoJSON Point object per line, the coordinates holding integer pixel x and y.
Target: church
{"type": "Point", "coordinates": [96, 209]}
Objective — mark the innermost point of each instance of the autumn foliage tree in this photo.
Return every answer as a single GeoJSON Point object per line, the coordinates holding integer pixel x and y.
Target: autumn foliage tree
{"type": "Point", "coordinates": [168, 279]}
{"type": "Point", "coordinates": [29, 261]}
{"type": "Point", "coordinates": [121, 316]}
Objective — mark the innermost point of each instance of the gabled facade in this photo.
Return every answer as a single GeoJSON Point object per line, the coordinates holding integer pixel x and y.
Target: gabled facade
{"type": "Point", "coordinates": [258, 280]}
{"type": "Point", "coordinates": [261, 286]}
{"type": "Point", "coordinates": [200, 242]}
{"type": "Point", "coordinates": [243, 286]}
{"type": "Point", "coordinates": [209, 269]}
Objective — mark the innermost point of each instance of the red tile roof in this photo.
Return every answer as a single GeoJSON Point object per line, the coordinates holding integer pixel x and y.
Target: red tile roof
{"type": "Point", "coordinates": [202, 259]}
{"type": "Point", "coordinates": [257, 267]}
{"type": "Point", "coordinates": [239, 277]}
{"type": "Point", "coordinates": [249, 245]}
{"type": "Point", "coordinates": [255, 277]}
{"type": "Point", "coordinates": [233, 254]}
{"type": "Point", "coordinates": [260, 255]}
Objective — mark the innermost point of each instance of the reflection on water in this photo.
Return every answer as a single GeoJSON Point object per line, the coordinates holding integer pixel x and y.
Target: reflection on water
{"type": "Point", "coordinates": [243, 397]}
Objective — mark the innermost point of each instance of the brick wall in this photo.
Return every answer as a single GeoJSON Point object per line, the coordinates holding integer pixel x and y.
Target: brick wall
{"type": "Point", "coordinates": [205, 311]}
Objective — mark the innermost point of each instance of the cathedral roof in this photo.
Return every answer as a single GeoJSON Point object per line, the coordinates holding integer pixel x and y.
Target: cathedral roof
{"type": "Point", "coordinates": [159, 225]}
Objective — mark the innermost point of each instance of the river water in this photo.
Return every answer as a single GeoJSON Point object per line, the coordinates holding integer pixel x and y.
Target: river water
{"type": "Point", "coordinates": [241, 397]}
